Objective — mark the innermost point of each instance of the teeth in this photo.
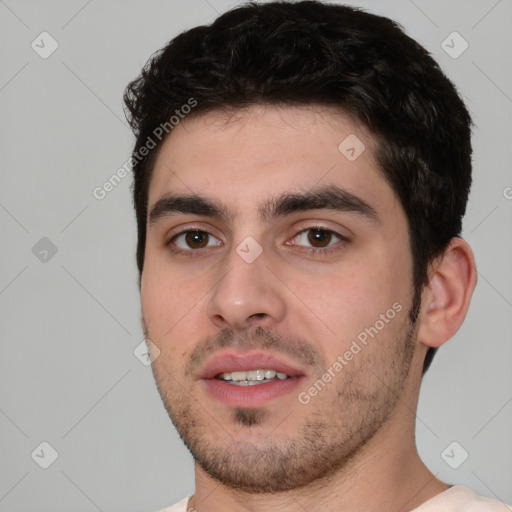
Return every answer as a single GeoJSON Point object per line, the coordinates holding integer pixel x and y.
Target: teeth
{"type": "Point", "coordinates": [238, 376]}
{"type": "Point", "coordinates": [252, 376]}
{"type": "Point", "coordinates": [256, 375]}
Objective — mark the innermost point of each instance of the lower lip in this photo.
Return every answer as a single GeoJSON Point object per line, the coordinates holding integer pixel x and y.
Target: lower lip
{"type": "Point", "coordinates": [250, 396]}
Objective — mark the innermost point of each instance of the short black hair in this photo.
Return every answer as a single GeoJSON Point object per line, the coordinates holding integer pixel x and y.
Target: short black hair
{"type": "Point", "coordinates": [310, 52]}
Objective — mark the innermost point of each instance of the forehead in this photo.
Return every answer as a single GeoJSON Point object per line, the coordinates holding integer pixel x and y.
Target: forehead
{"type": "Point", "coordinates": [245, 157]}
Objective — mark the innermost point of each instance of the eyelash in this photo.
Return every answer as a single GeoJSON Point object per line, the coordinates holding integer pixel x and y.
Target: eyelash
{"type": "Point", "coordinates": [311, 250]}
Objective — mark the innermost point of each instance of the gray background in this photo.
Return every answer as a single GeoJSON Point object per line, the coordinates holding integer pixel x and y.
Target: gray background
{"type": "Point", "coordinates": [70, 321]}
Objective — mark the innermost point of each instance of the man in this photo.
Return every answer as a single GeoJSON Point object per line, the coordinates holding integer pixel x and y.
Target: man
{"type": "Point", "coordinates": [301, 171]}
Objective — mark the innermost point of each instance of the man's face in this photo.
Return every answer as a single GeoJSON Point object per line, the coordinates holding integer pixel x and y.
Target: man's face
{"type": "Point", "coordinates": [276, 283]}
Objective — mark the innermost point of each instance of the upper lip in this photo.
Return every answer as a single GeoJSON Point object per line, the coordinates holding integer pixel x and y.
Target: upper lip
{"type": "Point", "coordinates": [230, 361]}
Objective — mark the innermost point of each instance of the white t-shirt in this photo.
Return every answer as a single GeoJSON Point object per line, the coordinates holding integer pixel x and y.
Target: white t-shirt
{"type": "Point", "coordinates": [455, 499]}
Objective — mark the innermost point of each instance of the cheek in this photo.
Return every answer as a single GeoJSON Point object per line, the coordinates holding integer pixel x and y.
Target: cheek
{"type": "Point", "coordinates": [352, 297]}
{"type": "Point", "coordinates": [172, 307]}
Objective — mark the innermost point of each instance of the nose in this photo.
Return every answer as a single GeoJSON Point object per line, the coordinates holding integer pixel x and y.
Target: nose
{"type": "Point", "coordinates": [247, 295]}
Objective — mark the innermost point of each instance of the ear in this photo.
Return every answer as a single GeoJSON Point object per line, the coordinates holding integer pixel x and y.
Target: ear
{"type": "Point", "coordinates": [445, 298]}
{"type": "Point", "coordinates": [143, 323]}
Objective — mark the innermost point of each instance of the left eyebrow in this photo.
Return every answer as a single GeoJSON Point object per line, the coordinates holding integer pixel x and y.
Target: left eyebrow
{"type": "Point", "coordinates": [329, 197]}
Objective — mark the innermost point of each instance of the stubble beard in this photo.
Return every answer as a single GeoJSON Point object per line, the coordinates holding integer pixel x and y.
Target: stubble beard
{"type": "Point", "coordinates": [335, 426]}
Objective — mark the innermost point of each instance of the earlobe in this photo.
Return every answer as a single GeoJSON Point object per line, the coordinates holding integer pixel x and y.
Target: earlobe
{"type": "Point", "coordinates": [446, 296]}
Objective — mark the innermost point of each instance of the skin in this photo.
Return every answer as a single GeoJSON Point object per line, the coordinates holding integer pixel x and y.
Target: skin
{"type": "Point", "coordinates": [351, 447]}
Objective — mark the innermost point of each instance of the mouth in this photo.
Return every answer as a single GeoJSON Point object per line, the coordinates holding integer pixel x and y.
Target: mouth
{"type": "Point", "coordinates": [252, 377]}
{"type": "Point", "coordinates": [249, 380]}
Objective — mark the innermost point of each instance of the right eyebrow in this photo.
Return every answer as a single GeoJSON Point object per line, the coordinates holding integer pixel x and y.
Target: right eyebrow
{"type": "Point", "coordinates": [171, 204]}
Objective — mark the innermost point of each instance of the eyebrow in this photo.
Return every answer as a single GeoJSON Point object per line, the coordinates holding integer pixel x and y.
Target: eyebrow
{"type": "Point", "coordinates": [329, 197]}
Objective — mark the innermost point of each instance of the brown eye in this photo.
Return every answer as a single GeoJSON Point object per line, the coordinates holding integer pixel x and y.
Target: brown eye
{"type": "Point", "coordinates": [196, 239]}
{"type": "Point", "coordinates": [319, 237]}
{"type": "Point", "coordinates": [319, 240]}
{"type": "Point", "coordinates": [192, 240]}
